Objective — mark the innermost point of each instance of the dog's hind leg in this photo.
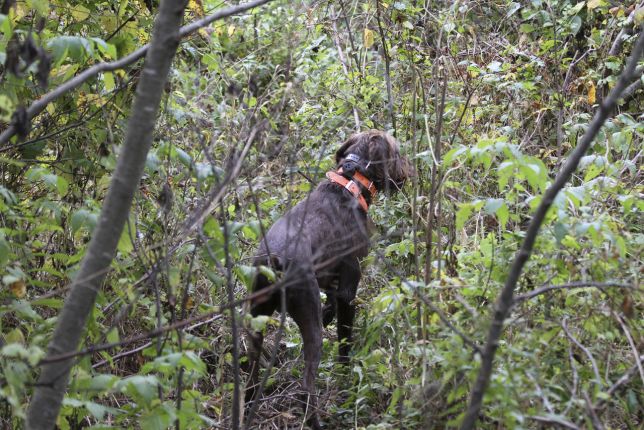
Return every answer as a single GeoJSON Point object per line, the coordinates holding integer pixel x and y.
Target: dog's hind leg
{"type": "Point", "coordinates": [347, 288]}
{"type": "Point", "coordinates": [304, 306]}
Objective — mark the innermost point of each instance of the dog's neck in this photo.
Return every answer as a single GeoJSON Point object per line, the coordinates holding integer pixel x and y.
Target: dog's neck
{"type": "Point", "coordinates": [355, 185]}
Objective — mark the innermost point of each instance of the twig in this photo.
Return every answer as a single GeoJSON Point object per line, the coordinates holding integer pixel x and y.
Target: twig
{"type": "Point", "coordinates": [163, 329]}
{"type": "Point", "coordinates": [234, 332]}
{"type": "Point", "coordinates": [597, 424]}
{"type": "Point", "coordinates": [354, 51]}
{"type": "Point", "coordinates": [617, 385]}
{"type": "Point", "coordinates": [575, 380]}
{"type": "Point", "coordinates": [626, 31]}
{"type": "Point", "coordinates": [628, 92]}
{"type": "Point", "coordinates": [147, 344]}
{"type": "Point", "coordinates": [122, 355]}
{"type": "Point", "coordinates": [435, 177]}
{"type": "Point", "coordinates": [215, 194]}
{"type": "Point", "coordinates": [623, 379]}
{"type": "Point", "coordinates": [505, 300]}
{"type": "Point", "coordinates": [466, 105]}
{"type": "Point", "coordinates": [40, 104]}
{"type": "Point", "coordinates": [343, 62]}
{"type": "Point", "coordinates": [469, 342]}
{"type": "Point", "coordinates": [385, 51]}
{"type": "Point", "coordinates": [554, 420]}
{"type": "Point", "coordinates": [631, 343]}
{"type": "Point", "coordinates": [67, 127]}
{"type": "Point", "coordinates": [580, 284]}
{"type": "Point", "coordinates": [586, 351]}
{"type": "Point", "coordinates": [267, 372]}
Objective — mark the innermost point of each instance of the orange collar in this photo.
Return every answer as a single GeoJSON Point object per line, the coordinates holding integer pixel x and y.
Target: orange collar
{"type": "Point", "coordinates": [353, 187]}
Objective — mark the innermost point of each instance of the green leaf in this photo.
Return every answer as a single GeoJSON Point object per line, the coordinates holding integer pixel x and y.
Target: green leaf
{"type": "Point", "coordinates": [75, 47]}
{"type": "Point", "coordinates": [102, 382]}
{"type": "Point", "coordinates": [125, 245]}
{"type": "Point", "coordinates": [463, 214]}
{"type": "Point", "coordinates": [83, 218]}
{"type": "Point", "coordinates": [112, 335]}
{"type": "Point", "coordinates": [503, 213]}
{"type": "Point", "coordinates": [526, 28]}
{"type": "Point", "coordinates": [160, 418]}
{"type": "Point", "coordinates": [575, 24]}
{"type": "Point", "coordinates": [5, 250]}
{"type": "Point", "coordinates": [183, 156]}
{"type": "Point", "coordinates": [246, 274]}
{"type": "Point", "coordinates": [41, 6]}
{"type": "Point", "coordinates": [5, 26]}
{"type": "Point", "coordinates": [97, 411]}
{"type": "Point", "coordinates": [394, 400]}
{"type": "Point", "coordinates": [107, 49]}
{"type": "Point", "coordinates": [142, 386]}
{"type": "Point", "coordinates": [259, 322]}
{"type": "Point", "coordinates": [493, 205]}
{"type": "Point", "coordinates": [108, 81]}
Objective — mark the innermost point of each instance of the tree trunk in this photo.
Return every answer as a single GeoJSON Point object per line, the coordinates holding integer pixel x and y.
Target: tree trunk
{"type": "Point", "coordinates": [48, 396]}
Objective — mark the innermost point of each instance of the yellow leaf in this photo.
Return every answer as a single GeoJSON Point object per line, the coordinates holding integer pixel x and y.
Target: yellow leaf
{"type": "Point", "coordinates": [108, 23]}
{"type": "Point", "coordinates": [196, 6]}
{"type": "Point", "coordinates": [591, 93]}
{"type": "Point", "coordinates": [15, 336]}
{"type": "Point", "coordinates": [434, 319]}
{"type": "Point", "coordinates": [108, 80]}
{"type": "Point", "coordinates": [123, 7]}
{"type": "Point", "coordinates": [205, 32]}
{"type": "Point", "coordinates": [80, 13]}
{"type": "Point", "coordinates": [231, 30]}
{"type": "Point", "coordinates": [190, 303]}
{"type": "Point", "coordinates": [18, 12]}
{"type": "Point", "coordinates": [593, 4]}
{"type": "Point", "coordinates": [638, 16]}
{"type": "Point", "coordinates": [368, 38]}
{"type": "Point", "coordinates": [18, 288]}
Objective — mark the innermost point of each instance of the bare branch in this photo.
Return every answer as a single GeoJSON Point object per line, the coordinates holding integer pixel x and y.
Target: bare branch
{"type": "Point", "coordinates": [623, 379]}
{"type": "Point", "coordinates": [163, 329]}
{"type": "Point", "coordinates": [147, 344]}
{"type": "Point", "coordinates": [631, 342]}
{"type": "Point", "coordinates": [385, 51]}
{"type": "Point", "coordinates": [597, 424]}
{"type": "Point", "coordinates": [585, 350]}
{"type": "Point", "coordinates": [625, 32]}
{"type": "Point", "coordinates": [39, 105]}
{"type": "Point", "coordinates": [506, 300]}
{"type": "Point", "coordinates": [469, 342]}
{"type": "Point", "coordinates": [343, 62]}
{"type": "Point", "coordinates": [551, 419]}
{"type": "Point", "coordinates": [580, 284]}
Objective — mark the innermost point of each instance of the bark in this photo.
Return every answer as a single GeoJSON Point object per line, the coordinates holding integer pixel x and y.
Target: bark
{"type": "Point", "coordinates": [50, 390]}
{"type": "Point", "coordinates": [506, 298]}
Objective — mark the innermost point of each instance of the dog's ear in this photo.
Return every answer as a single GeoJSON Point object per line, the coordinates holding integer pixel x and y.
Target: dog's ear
{"type": "Point", "coordinates": [342, 151]}
{"type": "Point", "coordinates": [393, 169]}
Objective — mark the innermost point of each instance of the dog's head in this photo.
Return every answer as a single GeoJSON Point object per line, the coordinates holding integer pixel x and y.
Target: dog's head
{"type": "Point", "coordinates": [379, 158]}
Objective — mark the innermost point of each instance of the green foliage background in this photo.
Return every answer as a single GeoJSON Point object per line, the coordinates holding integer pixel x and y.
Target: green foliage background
{"type": "Point", "coordinates": [521, 82]}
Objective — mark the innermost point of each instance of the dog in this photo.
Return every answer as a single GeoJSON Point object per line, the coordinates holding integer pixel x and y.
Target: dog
{"type": "Point", "coordinates": [317, 245]}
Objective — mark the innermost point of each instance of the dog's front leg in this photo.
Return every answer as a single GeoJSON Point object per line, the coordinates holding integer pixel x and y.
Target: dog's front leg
{"type": "Point", "coordinates": [347, 288]}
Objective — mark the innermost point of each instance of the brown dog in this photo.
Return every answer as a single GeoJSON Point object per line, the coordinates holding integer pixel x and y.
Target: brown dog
{"type": "Point", "coordinates": [317, 246]}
